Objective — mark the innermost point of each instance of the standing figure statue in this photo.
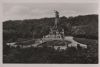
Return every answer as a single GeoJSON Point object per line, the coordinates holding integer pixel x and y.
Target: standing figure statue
{"type": "Point", "coordinates": [56, 19]}
{"type": "Point", "coordinates": [56, 14]}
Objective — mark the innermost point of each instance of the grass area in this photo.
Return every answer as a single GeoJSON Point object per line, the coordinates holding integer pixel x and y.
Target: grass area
{"type": "Point", "coordinates": [92, 45]}
{"type": "Point", "coordinates": [50, 55]}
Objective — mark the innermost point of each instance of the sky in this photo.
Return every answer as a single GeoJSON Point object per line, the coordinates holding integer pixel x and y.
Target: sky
{"type": "Point", "coordinates": [36, 10]}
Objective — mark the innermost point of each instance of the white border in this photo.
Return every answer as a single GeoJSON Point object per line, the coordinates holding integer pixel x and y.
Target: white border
{"type": "Point", "coordinates": [40, 65]}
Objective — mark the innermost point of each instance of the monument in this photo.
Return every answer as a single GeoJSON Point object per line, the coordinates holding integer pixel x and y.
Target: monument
{"type": "Point", "coordinates": [55, 33]}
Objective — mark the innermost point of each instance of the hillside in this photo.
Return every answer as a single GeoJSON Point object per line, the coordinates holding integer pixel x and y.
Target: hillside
{"type": "Point", "coordinates": [81, 26]}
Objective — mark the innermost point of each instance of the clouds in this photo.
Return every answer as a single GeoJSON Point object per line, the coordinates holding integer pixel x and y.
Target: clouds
{"type": "Point", "coordinates": [19, 11]}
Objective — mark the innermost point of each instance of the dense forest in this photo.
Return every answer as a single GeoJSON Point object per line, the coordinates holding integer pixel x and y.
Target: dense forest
{"type": "Point", "coordinates": [81, 26]}
{"type": "Point", "coordinates": [84, 29]}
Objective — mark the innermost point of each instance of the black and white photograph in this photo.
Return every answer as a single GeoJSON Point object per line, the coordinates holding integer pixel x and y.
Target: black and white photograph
{"type": "Point", "coordinates": [50, 32]}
